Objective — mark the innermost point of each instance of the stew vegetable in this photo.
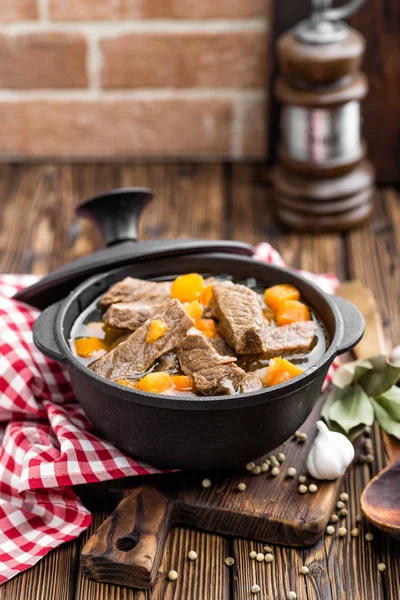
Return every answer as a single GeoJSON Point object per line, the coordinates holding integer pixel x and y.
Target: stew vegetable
{"type": "Point", "coordinates": [197, 336]}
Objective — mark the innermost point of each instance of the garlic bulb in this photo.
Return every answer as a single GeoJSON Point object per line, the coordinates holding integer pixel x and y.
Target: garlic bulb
{"type": "Point", "coordinates": [330, 454]}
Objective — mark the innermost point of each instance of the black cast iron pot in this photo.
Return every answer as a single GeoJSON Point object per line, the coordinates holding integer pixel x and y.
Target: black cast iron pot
{"type": "Point", "coordinates": [201, 432]}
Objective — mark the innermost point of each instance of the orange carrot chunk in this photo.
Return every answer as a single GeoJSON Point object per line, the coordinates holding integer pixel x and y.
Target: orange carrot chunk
{"type": "Point", "coordinates": [183, 383]}
{"type": "Point", "coordinates": [187, 288]}
{"type": "Point", "coordinates": [279, 371]}
{"type": "Point", "coordinates": [194, 310]}
{"type": "Point", "coordinates": [87, 346]}
{"type": "Point", "coordinates": [275, 295]}
{"type": "Point", "coordinates": [292, 311]}
{"type": "Point", "coordinates": [156, 383]}
{"type": "Point", "coordinates": [206, 295]}
{"type": "Point", "coordinates": [207, 326]}
{"type": "Point", "coordinates": [156, 330]}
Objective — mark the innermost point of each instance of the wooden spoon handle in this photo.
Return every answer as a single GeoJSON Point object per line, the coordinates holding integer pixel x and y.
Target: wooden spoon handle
{"type": "Point", "coordinates": [127, 548]}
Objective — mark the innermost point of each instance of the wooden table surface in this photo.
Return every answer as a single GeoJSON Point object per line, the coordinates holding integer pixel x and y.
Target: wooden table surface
{"type": "Point", "coordinates": [38, 232]}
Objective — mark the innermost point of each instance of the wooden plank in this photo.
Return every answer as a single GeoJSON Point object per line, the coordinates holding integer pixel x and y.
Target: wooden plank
{"type": "Point", "coordinates": [52, 578]}
{"type": "Point", "coordinates": [379, 242]}
{"type": "Point", "coordinates": [187, 203]}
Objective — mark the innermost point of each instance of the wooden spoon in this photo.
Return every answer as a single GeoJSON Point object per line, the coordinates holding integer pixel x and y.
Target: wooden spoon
{"type": "Point", "coordinates": [380, 500]}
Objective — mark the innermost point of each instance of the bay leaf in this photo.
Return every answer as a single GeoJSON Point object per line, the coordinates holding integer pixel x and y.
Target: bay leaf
{"type": "Point", "coordinates": [383, 376]}
{"type": "Point", "coordinates": [384, 419]}
{"type": "Point", "coordinates": [333, 395]}
{"type": "Point", "coordinates": [351, 372]}
{"type": "Point", "coordinates": [352, 409]}
{"type": "Point", "coordinates": [390, 401]}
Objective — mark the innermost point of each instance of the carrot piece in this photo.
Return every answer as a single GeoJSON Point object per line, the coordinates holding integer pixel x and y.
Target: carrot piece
{"type": "Point", "coordinates": [156, 330]}
{"type": "Point", "coordinates": [207, 326]}
{"type": "Point", "coordinates": [187, 288]}
{"type": "Point", "coordinates": [292, 311]}
{"type": "Point", "coordinates": [86, 346]}
{"type": "Point", "coordinates": [156, 383]}
{"type": "Point", "coordinates": [206, 295]}
{"type": "Point", "coordinates": [194, 310]}
{"type": "Point", "coordinates": [279, 371]}
{"type": "Point", "coordinates": [183, 383]}
{"type": "Point", "coordinates": [275, 295]}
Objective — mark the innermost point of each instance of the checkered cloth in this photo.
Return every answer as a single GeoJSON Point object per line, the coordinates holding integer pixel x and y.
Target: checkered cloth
{"type": "Point", "coordinates": [47, 443]}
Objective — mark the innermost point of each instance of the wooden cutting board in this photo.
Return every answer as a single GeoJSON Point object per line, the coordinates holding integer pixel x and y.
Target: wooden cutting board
{"type": "Point", "coordinates": [128, 547]}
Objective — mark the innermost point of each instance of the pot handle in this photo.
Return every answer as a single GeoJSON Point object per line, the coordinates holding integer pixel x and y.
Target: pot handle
{"type": "Point", "coordinates": [353, 324]}
{"type": "Point", "coordinates": [43, 333]}
{"type": "Point", "coordinates": [116, 213]}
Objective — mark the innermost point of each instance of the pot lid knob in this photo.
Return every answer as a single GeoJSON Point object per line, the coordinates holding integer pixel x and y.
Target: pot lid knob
{"type": "Point", "coordinates": [116, 213]}
{"type": "Point", "coordinates": [325, 25]}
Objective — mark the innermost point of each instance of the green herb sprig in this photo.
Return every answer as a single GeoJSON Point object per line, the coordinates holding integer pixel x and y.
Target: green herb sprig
{"type": "Point", "coordinates": [362, 391]}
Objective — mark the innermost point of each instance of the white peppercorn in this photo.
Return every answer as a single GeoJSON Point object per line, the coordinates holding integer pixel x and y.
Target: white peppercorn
{"type": "Point", "coordinates": [192, 555]}
{"type": "Point", "coordinates": [302, 479]}
{"type": "Point", "coordinates": [291, 596]}
{"type": "Point", "coordinates": [291, 472]}
{"type": "Point", "coordinates": [355, 532]}
{"type": "Point", "coordinates": [330, 530]}
{"type": "Point", "coordinates": [250, 466]}
{"type": "Point", "coordinates": [267, 549]}
{"type": "Point", "coordinates": [255, 588]}
{"type": "Point", "coordinates": [275, 471]}
{"type": "Point", "coordinates": [260, 557]}
{"type": "Point", "coordinates": [344, 497]}
{"type": "Point", "coordinates": [269, 558]}
{"type": "Point", "coordinates": [334, 518]}
{"type": "Point", "coordinates": [241, 487]}
{"type": "Point", "coordinates": [343, 512]}
{"type": "Point", "coordinates": [281, 457]}
{"type": "Point", "coordinates": [312, 488]}
{"type": "Point", "coordinates": [253, 554]}
{"type": "Point", "coordinates": [264, 467]}
{"type": "Point", "coordinates": [342, 531]}
{"type": "Point", "coordinates": [303, 489]}
{"type": "Point", "coordinates": [173, 575]}
{"type": "Point", "coordinates": [381, 567]}
{"type": "Point", "coordinates": [229, 561]}
{"type": "Point", "coordinates": [369, 537]}
{"type": "Point", "coordinates": [304, 570]}
{"type": "Point", "coordinates": [256, 470]}
{"type": "Point", "coordinates": [206, 483]}
{"type": "Point", "coordinates": [339, 504]}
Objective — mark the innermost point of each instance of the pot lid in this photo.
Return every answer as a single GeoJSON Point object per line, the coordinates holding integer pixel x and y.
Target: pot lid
{"type": "Point", "coordinates": [116, 214]}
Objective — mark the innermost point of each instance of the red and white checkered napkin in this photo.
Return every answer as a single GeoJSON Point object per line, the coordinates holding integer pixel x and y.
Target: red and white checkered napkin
{"type": "Point", "coordinates": [47, 443]}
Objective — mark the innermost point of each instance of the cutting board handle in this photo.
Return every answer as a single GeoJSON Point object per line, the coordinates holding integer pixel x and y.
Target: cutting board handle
{"type": "Point", "coordinates": [127, 548]}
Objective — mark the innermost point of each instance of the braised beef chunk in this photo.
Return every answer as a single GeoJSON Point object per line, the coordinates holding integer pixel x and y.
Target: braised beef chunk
{"type": "Point", "coordinates": [212, 373]}
{"type": "Point", "coordinates": [128, 315]}
{"type": "Point", "coordinates": [240, 316]}
{"type": "Point", "coordinates": [296, 337]}
{"type": "Point", "coordinates": [222, 347]}
{"type": "Point", "coordinates": [251, 383]}
{"type": "Point", "coordinates": [135, 355]}
{"type": "Point", "coordinates": [136, 290]}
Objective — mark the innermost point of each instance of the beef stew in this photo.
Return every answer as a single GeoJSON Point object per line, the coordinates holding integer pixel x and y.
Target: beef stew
{"type": "Point", "coordinates": [197, 336]}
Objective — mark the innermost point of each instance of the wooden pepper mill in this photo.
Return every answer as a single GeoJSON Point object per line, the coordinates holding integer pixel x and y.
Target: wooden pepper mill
{"type": "Point", "coordinates": [323, 180]}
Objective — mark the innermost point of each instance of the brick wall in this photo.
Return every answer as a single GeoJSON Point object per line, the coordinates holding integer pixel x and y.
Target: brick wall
{"type": "Point", "coordinates": [117, 78]}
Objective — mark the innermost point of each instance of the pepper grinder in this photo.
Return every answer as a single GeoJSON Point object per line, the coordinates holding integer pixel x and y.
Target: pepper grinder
{"type": "Point", "coordinates": [323, 180]}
